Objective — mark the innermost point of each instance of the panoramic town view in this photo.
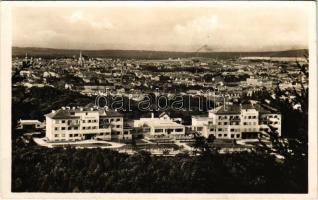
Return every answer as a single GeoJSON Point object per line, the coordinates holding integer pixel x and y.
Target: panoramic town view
{"type": "Point", "coordinates": [143, 105]}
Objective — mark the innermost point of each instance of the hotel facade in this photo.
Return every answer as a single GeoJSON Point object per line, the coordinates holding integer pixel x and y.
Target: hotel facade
{"type": "Point", "coordinates": [73, 124]}
{"type": "Point", "coordinates": [247, 121]}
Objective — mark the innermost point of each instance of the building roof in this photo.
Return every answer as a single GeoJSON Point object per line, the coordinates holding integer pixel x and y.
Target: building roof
{"type": "Point", "coordinates": [69, 113]}
{"type": "Point", "coordinates": [235, 109]}
{"type": "Point", "coordinates": [157, 122]}
{"type": "Point", "coordinates": [30, 121]}
{"type": "Point", "coordinates": [62, 114]}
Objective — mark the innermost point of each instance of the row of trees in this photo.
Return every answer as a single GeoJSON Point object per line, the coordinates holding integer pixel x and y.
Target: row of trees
{"type": "Point", "coordinates": [96, 170]}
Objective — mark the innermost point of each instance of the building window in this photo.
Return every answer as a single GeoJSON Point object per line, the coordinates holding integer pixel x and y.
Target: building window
{"type": "Point", "coordinates": [219, 129]}
{"type": "Point", "coordinates": [118, 133]}
{"type": "Point", "coordinates": [220, 123]}
{"type": "Point", "coordinates": [56, 135]}
{"type": "Point", "coordinates": [86, 113]}
{"type": "Point", "coordinates": [63, 128]}
{"type": "Point", "coordinates": [69, 128]}
{"type": "Point", "coordinates": [225, 123]}
{"type": "Point", "coordinates": [63, 135]}
{"type": "Point", "coordinates": [199, 128]}
{"type": "Point", "coordinates": [219, 135]}
{"type": "Point", "coordinates": [158, 130]}
{"type": "Point", "coordinates": [71, 135]}
{"type": "Point", "coordinates": [125, 132]}
{"type": "Point", "coordinates": [84, 127]}
{"type": "Point", "coordinates": [245, 123]}
{"type": "Point", "coordinates": [56, 128]}
{"type": "Point", "coordinates": [75, 135]}
{"type": "Point", "coordinates": [225, 135]}
{"type": "Point", "coordinates": [232, 135]}
{"type": "Point", "coordinates": [237, 135]}
{"type": "Point", "coordinates": [111, 120]}
{"type": "Point", "coordinates": [179, 130]}
{"type": "Point", "coordinates": [212, 129]}
{"type": "Point", "coordinates": [232, 130]}
{"type": "Point", "coordinates": [75, 128]}
{"type": "Point", "coordinates": [118, 119]}
{"type": "Point", "coordinates": [117, 126]}
{"type": "Point", "coordinates": [89, 121]}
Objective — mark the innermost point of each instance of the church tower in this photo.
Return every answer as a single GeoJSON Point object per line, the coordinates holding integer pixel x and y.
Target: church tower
{"type": "Point", "coordinates": [80, 59]}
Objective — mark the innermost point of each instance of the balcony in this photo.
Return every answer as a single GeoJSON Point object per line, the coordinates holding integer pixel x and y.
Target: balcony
{"type": "Point", "coordinates": [74, 124]}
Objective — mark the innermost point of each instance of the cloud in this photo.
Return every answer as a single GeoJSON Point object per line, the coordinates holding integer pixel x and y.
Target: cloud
{"type": "Point", "coordinates": [198, 31]}
{"type": "Point", "coordinates": [198, 27]}
{"type": "Point", "coordinates": [175, 29]}
{"type": "Point", "coordinates": [78, 17]}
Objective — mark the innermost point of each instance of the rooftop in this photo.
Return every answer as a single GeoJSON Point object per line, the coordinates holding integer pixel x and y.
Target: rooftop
{"type": "Point", "coordinates": [29, 121]}
{"type": "Point", "coordinates": [235, 109]}
{"type": "Point", "coordinates": [157, 122]}
{"type": "Point", "coordinates": [67, 112]}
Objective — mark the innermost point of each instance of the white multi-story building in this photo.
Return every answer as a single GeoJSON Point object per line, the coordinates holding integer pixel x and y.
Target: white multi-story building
{"type": "Point", "coordinates": [71, 124]}
{"type": "Point", "coordinates": [238, 121]}
{"type": "Point", "coordinates": [161, 126]}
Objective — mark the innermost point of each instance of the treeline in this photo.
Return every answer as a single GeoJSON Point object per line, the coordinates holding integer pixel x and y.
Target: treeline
{"type": "Point", "coordinates": [33, 103]}
{"type": "Point", "coordinates": [36, 169]}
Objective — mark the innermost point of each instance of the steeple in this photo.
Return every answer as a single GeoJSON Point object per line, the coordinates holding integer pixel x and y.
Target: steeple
{"type": "Point", "coordinates": [26, 57]}
{"type": "Point", "coordinates": [80, 59]}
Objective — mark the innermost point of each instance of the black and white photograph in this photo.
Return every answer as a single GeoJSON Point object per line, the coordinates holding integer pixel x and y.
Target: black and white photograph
{"type": "Point", "coordinates": [176, 98]}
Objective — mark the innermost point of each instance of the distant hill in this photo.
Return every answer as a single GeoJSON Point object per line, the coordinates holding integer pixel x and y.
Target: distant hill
{"type": "Point", "coordinates": [141, 54]}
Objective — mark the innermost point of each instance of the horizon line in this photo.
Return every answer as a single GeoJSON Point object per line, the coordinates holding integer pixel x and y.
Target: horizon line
{"type": "Point", "coordinates": [78, 49]}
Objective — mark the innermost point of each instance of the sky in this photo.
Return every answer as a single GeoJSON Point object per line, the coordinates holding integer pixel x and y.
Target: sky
{"type": "Point", "coordinates": [216, 28]}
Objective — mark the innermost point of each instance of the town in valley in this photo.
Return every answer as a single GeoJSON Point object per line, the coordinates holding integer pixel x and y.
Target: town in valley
{"type": "Point", "coordinates": [227, 100]}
